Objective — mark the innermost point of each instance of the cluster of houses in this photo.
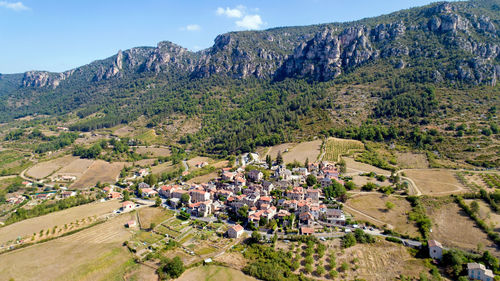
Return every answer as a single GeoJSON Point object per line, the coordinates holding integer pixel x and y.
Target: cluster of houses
{"type": "Point", "coordinates": [265, 200]}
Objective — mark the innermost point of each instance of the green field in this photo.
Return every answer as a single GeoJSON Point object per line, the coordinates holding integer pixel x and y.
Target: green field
{"type": "Point", "coordinates": [334, 148]}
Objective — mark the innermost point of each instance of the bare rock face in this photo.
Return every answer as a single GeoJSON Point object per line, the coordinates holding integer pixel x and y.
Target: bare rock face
{"type": "Point", "coordinates": [42, 79]}
{"type": "Point", "coordinates": [326, 55]}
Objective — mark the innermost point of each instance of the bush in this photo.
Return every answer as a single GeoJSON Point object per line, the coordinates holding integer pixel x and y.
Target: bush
{"type": "Point", "coordinates": [171, 268]}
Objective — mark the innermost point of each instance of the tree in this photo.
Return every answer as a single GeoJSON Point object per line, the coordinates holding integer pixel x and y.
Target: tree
{"type": "Point", "coordinates": [311, 180]}
{"type": "Point", "coordinates": [184, 215]}
{"type": "Point", "coordinates": [349, 185]}
{"type": "Point", "coordinates": [342, 166]}
{"type": "Point", "coordinates": [256, 237]}
{"type": "Point", "coordinates": [185, 198]}
{"type": "Point", "coordinates": [171, 268]}
{"type": "Point", "coordinates": [389, 205]}
{"type": "Point", "coordinates": [308, 268]}
{"type": "Point", "coordinates": [320, 270]}
{"type": "Point", "coordinates": [306, 164]}
{"type": "Point", "coordinates": [152, 226]}
{"type": "Point", "coordinates": [474, 206]}
{"type": "Point", "coordinates": [279, 158]}
{"type": "Point", "coordinates": [348, 240]}
{"type": "Point", "coordinates": [269, 161]}
{"type": "Point", "coordinates": [126, 195]}
{"type": "Point", "coordinates": [243, 212]}
{"type": "Point", "coordinates": [157, 202]}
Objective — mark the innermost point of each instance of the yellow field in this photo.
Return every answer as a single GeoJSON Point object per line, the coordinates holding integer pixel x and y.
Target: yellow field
{"type": "Point", "coordinates": [334, 148]}
{"type": "Point", "coordinates": [435, 181]}
{"type": "Point", "coordinates": [214, 273]}
{"type": "Point", "coordinates": [28, 227]}
{"type": "Point", "coordinates": [44, 169]}
{"type": "Point", "coordinates": [91, 254]}
{"type": "Point", "coordinates": [99, 171]}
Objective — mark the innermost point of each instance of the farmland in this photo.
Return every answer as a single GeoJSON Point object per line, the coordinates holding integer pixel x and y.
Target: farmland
{"type": "Point", "coordinates": [99, 171]}
{"type": "Point", "coordinates": [435, 182]}
{"type": "Point", "coordinates": [355, 167]}
{"type": "Point", "coordinates": [28, 227]}
{"type": "Point", "coordinates": [214, 273]}
{"type": "Point", "coordinates": [154, 151]}
{"type": "Point", "coordinates": [453, 228]}
{"type": "Point", "coordinates": [44, 169]}
{"type": "Point", "coordinates": [408, 160]}
{"type": "Point", "coordinates": [374, 205]}
{"type": "Point", "coordinates": [92, 254]}
{"type": "Point", "coordinates": [334, 148]}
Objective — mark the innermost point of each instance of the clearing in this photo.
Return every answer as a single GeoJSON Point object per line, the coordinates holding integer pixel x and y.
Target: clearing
{"type": "Point", "coordinates": [374, 205]}
{"type": "Point", "coordinates": [491, 218]}
{"type": "Point", "coordinates": [335, 148]}
{"type": "Point", "coordinates": [435, 181]}
{"type": "Point", "coordinates": [44, 169]}
{"type": "Point", "coordinates": [453, 228]}
{"type": "Point", "coordinates": [302, 151]}
{"type": "Point", "coordinates": [95, 253]}
{"type": "Point", "coordinates": [34, 225]}
{"type": "Point", "coordinates": [355, 168]}
{"type": "Point", "coordinates": [154, 151]}
{"type": "Point", "coordinates": [154, 215]}
{"type": "Point", "coordinates": [409, 160]}
{"type": "Point", "coordinates": [99, 171]}
{"type": "Point", "coordinates": [214, 273]}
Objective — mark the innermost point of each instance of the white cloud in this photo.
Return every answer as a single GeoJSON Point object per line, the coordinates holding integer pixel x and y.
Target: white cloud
{"type": "Point", "coordinates": [16, 6]}
{"type": "Point", "coordinates": [231, 13]}
{"type": "Point", "coordinates": [191, 27]}
{"type": "Point", "coordinates": [250, 22]}
{"type": "Point", "coordinates": [245, 20]}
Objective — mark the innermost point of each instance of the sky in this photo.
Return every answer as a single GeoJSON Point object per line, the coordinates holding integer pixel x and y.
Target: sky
{"type": "Point", "coordinates": [58, 35]}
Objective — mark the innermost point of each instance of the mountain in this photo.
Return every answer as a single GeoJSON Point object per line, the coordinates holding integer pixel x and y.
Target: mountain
{"type": "Point", "coordinates": [399, 56]}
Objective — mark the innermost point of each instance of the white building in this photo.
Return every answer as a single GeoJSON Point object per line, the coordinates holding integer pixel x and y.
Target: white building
{"type": "Point", "coordinates": [235, 231]}
{"type": "Point", "coordinates": [435, 249]}
{"type": "Point", "coordinates": [477, 271]}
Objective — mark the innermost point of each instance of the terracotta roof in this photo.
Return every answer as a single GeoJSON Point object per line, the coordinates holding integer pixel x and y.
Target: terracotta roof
{"type": "Point", "coordinates": [307, 230]}
{"type": "Point", "coordinates": [434, 243]}
{"type": "Point", "coordinates": [237, 228]}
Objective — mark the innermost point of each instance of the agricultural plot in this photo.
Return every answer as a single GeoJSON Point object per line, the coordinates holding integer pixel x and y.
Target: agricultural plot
{"type": "Point", "coordinates": [154, 151]}
{"type": "Point", "coordinates": [214, 273]}
{"type": "Point", "coordinates": [154, 215]}
{"type": "Point", "coordinates": [12, 162]}
{"type": "Point", "coordinates": [491, 180]}
{"type": "Point", "coordinates": [302, 151]}
{"type": "Point", "coordinates": [453, 228]}
{"type": "Point", "coordinates": [99, 171]}
{"type": "Point", "coordinates": [374, 205]}
{"type": "Point", "coordinates": [95, 253]}
{"type": "Point", "coordinates": [435, 182]}
{"type": "Point", "coordinates": [334, 148]}
{"type": "Point", "coordinates": [76, 168]}
{"type": "Point", "coordinates": [485, 213]}
{"type": "Point", "coordinates": [408, 160]}
{"type": "Point", "coordinates": [355, 168]}
{"type": "Point", "coordinates": [26, 228]}
{"type": "Point", "coordinates": [44, 169]}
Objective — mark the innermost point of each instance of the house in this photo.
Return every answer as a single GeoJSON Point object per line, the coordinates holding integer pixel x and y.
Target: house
{"type": "Point", "coordinates": [306, 230]}
{"type": "Point", "coordinates": [235, 231]}
{"type": "Point", "coordinates": [44, 196]}
{"type": "Point", "coordinates": [435, 249]}
{"type": "Point", "coordinates": [477, 271]}
{"type": "Point", "coordinates": [306, 218]}
{"type": "Point", "coordinates": [283, 173]}
{"type": "Point", "coordinates": [201, 164]}
{"type": "Point", "coordinates": [127, 206]}
{"type": "Point", "coordinates": [67, 194]}
{"type": "Point", "coordinates": [148, 192]}
{"type": "Point", "coordinates": [255, 175]}
{"type": "Point", "coordinates": [240, 181]}
{"type": "Point", "coordinates": [114, 195]}
{"type": "Point", "coordinates": [17, 199]}
{"type": "Point", "coordinates": [335, 216]}
{"type": "Point", "coordinates": [199, 195]}
{"type": "Point", "coordinates": [143, 185]}
{"type": "Point", "coordinates": [325, 181]}
{"type": "Point", "coordinates": [228, 176]}
{"type": "Point", "coordinates": [131, 223]}
{"type": "Point", "coordinates": [313, 194]}
{"type": "Point", "coordinates": [142, 173]}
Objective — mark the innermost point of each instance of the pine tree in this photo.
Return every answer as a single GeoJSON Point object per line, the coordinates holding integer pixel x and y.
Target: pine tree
{"type": "Point", "coordinates": [279, 158]}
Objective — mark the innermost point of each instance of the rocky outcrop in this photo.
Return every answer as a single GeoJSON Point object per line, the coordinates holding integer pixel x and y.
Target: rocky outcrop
{"type": "Point", "coordinates": [326, 55]}
{"type": "Point", "coordinates": [42, 79]}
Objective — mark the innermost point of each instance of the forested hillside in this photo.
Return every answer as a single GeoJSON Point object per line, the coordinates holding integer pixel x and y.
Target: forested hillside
{"type": "Point", "coordinates": [426, 77]}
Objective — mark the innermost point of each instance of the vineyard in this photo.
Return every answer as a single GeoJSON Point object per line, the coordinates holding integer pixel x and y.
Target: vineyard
{"type": "Point", "coordinates": [492, 180]}
{"type": "Point", "coordinates": [334, 148]}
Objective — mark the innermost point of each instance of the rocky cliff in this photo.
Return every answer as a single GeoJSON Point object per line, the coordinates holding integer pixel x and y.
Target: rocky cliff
{"type": "Point", "coordinates": [459, 40]}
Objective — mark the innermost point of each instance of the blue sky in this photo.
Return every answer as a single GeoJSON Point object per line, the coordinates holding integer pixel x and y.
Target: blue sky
{"type": "Point", "coordinates": [58, 35]}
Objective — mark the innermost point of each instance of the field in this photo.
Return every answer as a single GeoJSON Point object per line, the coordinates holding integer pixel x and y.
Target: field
{"type": "Point", "coordinates": [11, 161]}
{"type": "Point", "coordinates": [453, 228]}
{"type": "Point", "coordinates": [487, 215]}
{"type": "Point", "coordinates": [155, 215]}
{"type": "Point", "coordinates": [99, 171]}
{"type": "Point", "coordinates": [362, 180]}
{"type": "Point", "coordinates": [193, 161]}
{"type": "Point", "coordinates": [91, 254]}
{"type": "Point", "coordinates": [373, 205]}
{"type": "Point", "coordinates": [435, 181]}
{"type": "Point", "coordinates": [302, 151]}
{"type": "Point", "coordinates": [154, 151]}
{"type": "Point", "coordinates": [44, 169]}
{"type": "Point", "coordinates": [28, 227]}
{"type": "Point", "coordinates": [334, 148]}
{"type": "Point", "coordinates": [354, 167]}
{"type": "Point", "coordinates": [380, 261]}
{"type": "Point", "coordinates": [273, 151]}
{"type": "Point", "coordinates": [214, 273]}
{"type": "Point", "coordinates": [408, 160]}
{"type": "Point", "coordinates": [76, 168]}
